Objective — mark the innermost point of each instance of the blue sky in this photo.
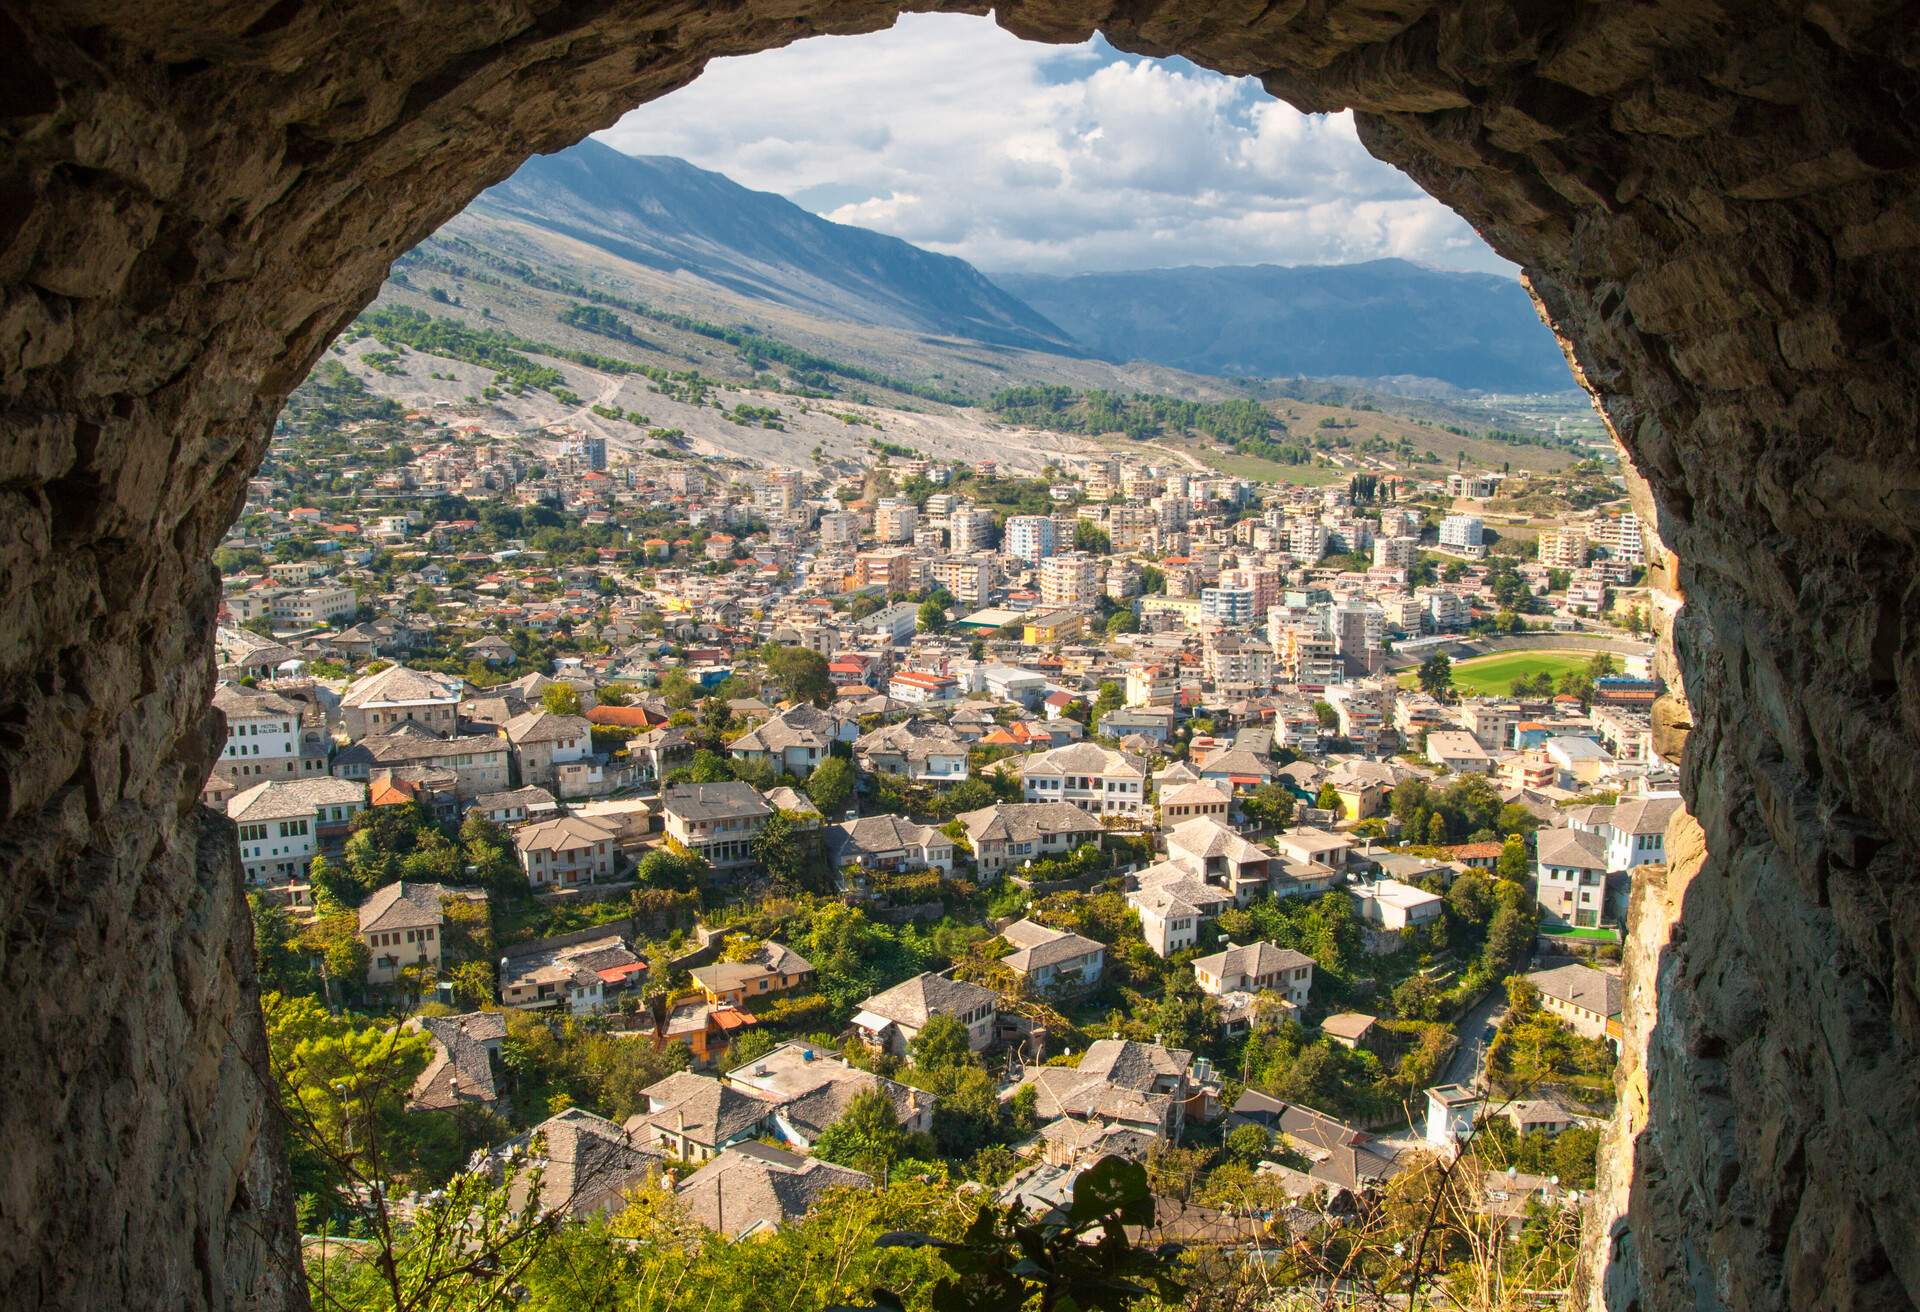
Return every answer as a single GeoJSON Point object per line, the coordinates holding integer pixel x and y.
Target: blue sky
{"type": "Point", "coordinates": [956, 136]}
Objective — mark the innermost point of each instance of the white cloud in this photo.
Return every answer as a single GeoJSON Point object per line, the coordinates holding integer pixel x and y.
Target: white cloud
{"type": "Point", "coordinates": [955, 135]}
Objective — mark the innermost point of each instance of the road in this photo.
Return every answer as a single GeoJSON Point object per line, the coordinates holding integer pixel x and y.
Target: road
{"type": "Point", "coordinates": [1468, 1063]}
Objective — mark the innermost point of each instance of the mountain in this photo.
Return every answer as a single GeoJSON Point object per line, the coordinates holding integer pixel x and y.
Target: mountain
{"type": "Point", "coordinates": [665, 214]}
{"type": "Point", "coordinates": [1370, 320]}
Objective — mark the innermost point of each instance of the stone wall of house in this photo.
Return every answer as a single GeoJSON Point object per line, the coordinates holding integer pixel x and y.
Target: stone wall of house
{"type": "Point", "coordinates": [1714, 202]}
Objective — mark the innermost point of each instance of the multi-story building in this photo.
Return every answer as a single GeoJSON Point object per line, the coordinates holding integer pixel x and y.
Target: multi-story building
{"type": "Point", "coordinates": [890, 568]}
{"type": "Point", "coordinates": [895, 519]}
{"type": "Point", "coordinates": [265, 738]}
{"type": "Point", "coordinates": [1359, 635]}
{"type": "Point", "coordinates": [1098, 780]}
{"type": "Point", "coordinates": [308, 606]}
{"type": "Point", "coordinates": [1029, 537]}
{"type": "Point", "coordinates": [838, 528]}
{"type": "Point", "coordinates": [1228, 605]}
{"type": "Point", "coordinates": [283, 824]}
{"type": "Point", "coordinates": [1130, 528]}
{"type": "Point", "coordinates": [1563, 548]}
{"type": "Point", "coordinates": [1465, 534]}
{"type": "Point", "coordinates": [588, 451]}
{"type": "Point", "coordinates": [397, 695]}
{"type": "Point", "coordinates": [1395, 552]}
{"type": "Point", "coordinates": [1620, 535]}
{"type": "Point", "coordinates": [716, 822]}
{"type": "Point", "coordinates": [1303, 652]}
{"type": "Point", "coordinates": [1233, 661]}
{"type": "Point", "coordinates": [1069, 580]}
{"type": "Point", "coordinates": [1152, 684]}
{"type": "Point", "coordinates": [1306, 539]}
{"type": "Point", "coordinates": [969, 530]}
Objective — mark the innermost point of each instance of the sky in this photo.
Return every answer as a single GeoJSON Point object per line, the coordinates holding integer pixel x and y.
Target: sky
{"type": "Point", "coordinates": [956, 136]}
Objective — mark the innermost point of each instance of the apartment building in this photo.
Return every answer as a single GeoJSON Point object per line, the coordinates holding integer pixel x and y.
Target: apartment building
{"type": "Point", "coordinates": [1029, 537]}
{"type": "Point", "coordinates": [1069, 580]}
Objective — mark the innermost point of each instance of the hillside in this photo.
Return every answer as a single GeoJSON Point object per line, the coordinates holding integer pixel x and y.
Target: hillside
{"type": "Point", "coordinates": [522, 318]}
{"type": "Point", "coordinates": [1383, 318]}
{"type": "Point", "coordinates": [665, 214]}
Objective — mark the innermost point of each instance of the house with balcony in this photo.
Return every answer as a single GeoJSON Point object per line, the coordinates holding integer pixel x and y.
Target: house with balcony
{"type": "Point", "coordinates": [1099, 780]}
{"type": "Point", "coordinates": [888, 842]}
{"type": "Point", "coordinates": [1172, 904]}
{"type": "Point", "coordinates": [1047, 960]}
{"type": "Point", "coordinates": [716, 822]}
{"type": "Point", "coordinates": [1007, 835]}
{"type": "Point", "coordinates": [565, 852]}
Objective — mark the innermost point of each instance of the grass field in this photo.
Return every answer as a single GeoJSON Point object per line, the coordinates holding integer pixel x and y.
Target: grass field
{"type": "Point", "coordinates": [1493, 676]}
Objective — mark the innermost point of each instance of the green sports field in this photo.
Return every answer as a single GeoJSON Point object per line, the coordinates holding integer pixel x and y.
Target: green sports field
{"type": "Point", "coordinates": [1493, 676]}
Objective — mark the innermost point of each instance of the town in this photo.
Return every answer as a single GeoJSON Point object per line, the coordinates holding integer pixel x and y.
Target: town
{"type": "Point", "coordinates": [756, 834]}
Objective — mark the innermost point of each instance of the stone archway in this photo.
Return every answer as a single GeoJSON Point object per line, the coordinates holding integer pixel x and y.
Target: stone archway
{"type": "Point", "coordinates": [1715, 203]}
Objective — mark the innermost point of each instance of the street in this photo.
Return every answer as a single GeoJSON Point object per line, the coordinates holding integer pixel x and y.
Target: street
{"type": "Point", "coordinates": [1468, 1063]}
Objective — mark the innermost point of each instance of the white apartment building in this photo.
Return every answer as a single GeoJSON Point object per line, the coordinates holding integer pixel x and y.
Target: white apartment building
{"type": "Point", "coordinates": [1463, 533]}
{"type": "Point", "coordinates": [1069, 580]}
{"type": "Point", "coordinates": [1029, 537]}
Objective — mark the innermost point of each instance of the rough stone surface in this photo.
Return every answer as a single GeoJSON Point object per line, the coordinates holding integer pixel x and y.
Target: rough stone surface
{"type": "Point", "coordinates": [1715, 203]}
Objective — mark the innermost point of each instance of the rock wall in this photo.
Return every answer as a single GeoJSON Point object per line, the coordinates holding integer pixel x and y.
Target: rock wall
{"type": "Point", "coordinates": [1715, 202]}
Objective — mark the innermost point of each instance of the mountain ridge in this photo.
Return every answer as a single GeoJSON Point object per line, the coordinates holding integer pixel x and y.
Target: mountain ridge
{"type": "Point", "coordinates": [664, 213]}
{"type": "Point", "coordinates": [1372, 319]}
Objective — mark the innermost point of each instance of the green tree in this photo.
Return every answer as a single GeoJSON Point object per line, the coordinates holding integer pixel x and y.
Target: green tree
{"type": "Point", "coordinates": [1325, 713]}
{"type": "Point", "coordinates": [800, 672]}
{"type": "Point", "coordinates": [1183, 1017]}
{"type": "Point", "coordinates": [560, 699]}
{"type": "Point", "coordinates": [1247, 1143]}
{"type": "Point", "coordinates": [1436, 676]}
{"type": "Point", "coordinates": [780, 849]}
{"type": "Point", "coordinates": [1511, 931]}
{"type": "Point", "coordinates": [1269, 804]}
{"type": "Point", "coordinates": [867, 1136]}
{"type": "Point", "coordinates": [670, 870]}
{"type": "Point", "coordinates": [1328, 799]}
{"type": "Point", "coordinates": [830, 786]}
{"type": "Point", "coordinates": [932, 617]}
{"type": "Point", "coordinates": [1089, 536]}
{"type": "Point", "coordinates": [1512, 863]}
{"type": "Point", "coordinates": [1122, 621]}
{"type": "Point", "coordinates": [1436, 829]}
{"type": "Point", "coordinates": [941, 1047]}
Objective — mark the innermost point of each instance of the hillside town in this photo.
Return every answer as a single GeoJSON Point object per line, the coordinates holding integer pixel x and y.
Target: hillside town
{"type": "Point", "coordinates": [755, 834]}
